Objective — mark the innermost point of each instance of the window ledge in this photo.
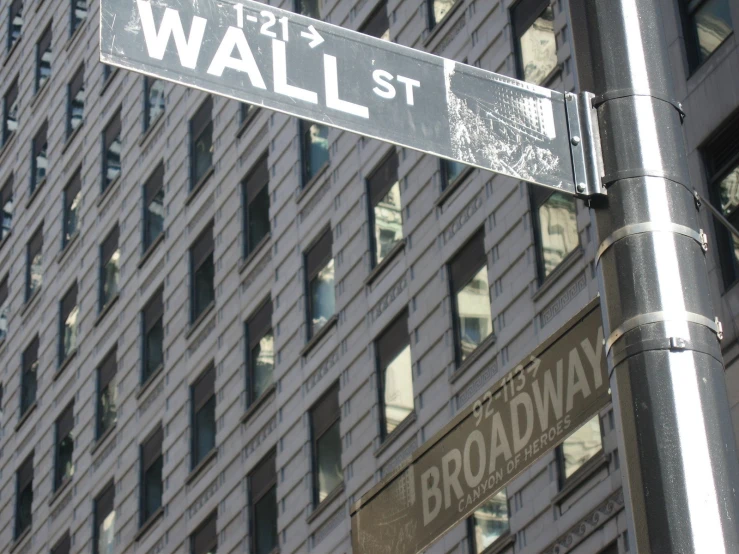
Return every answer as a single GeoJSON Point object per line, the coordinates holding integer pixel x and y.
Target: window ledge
{"type": "Point", "coordinates": [13, 49]}
{"type": "Point", "coordinates": [75, 36]}
{"type": "Point", "coordinates": [67, 247]}
{"type": "Point", "coordinates": [106, 309]}
{"type": "Point", "coordinates": [107, 192]}
{"type": "Point", "coordinates": [73, 135]}
{"type": "Point", "coordinates": [149, 251]}
{"type": "Point", "coordinates": [258, 403]}
{"type": "Point", "coordinates": [199, 186]}
{"type": "Point", "coordinates": [409, 420]}
{"type": "Point", "coordinates": [475, 355]}
{"type": "Point", "coordinates": [102, 439]}
{"type": "Point", "coordinates": [31, 301]}
{"type": "Point", "coordinates": [149, 524]}
{"type": "Point", "coordinates": [302, 193]}
{"type": "Point", "coordinates": [198, 469]}
{"type": "Point", "coordinates": [6, 239]}
{"type": "Point", "coordinates": [150, 131]}
{"type": "Point", "coordinates": [554, 276]}
{"type": "Point", "coordinates": [255, 252]}
{"type": "Point", "coordinates": [379, 268]}
{"type": "Point", "coordinates": [501, 543]}
{"type": "Point", "coordinates": [22, 538]}
{"type": "Point", "coordinates": [25, 417]}
{"type": "Point", "coordinates": [67, 361]}
{"type": "Point", "coordinates": [35, 192]}
{"type": "Point", "coordinates": [322, 332]}
{"type": "Point", "coordinates": [146, 385]}
{"type": "Point", "coordinates": [195, 324]}
{"type": "Point", "coordinates": [40, 93]}
{"type": "Point", "coordinates": [109, 80]}
{"type": "Point", "coordinates": [436, 29]}
{"type": "Point", "coordinates": [583, 474]}
{"type": "Point", "coordinates": [325, 503]}
{"type": "Point", "coordinates": [7, 146]}
{"type": "Point", "coordinates": [452, 187]}
{"type": "Point", "coordinates": [56, 495]}
{"type": "Point", "coordinates": [244, 124]}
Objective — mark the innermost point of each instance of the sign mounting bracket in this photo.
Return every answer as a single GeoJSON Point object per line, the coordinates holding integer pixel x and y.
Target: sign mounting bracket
{"type": "Point", "coordinates": [584, 145]}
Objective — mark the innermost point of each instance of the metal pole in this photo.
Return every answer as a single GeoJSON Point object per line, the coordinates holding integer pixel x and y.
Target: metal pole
{"type": "Point", "coordinates": [667, 378]}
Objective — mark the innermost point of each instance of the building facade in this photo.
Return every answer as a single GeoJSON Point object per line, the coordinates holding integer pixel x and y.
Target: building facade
{"type": "Point", "coordinates": [220, 326]}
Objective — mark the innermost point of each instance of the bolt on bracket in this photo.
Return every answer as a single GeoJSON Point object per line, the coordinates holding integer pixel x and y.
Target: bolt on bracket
{"type": "Point", "coordinates": [584, 145]}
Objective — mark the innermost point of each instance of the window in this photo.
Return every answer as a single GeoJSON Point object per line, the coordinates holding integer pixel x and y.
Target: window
{"type": "Point", "coordinates": [103, 540]}
{"type": "Point", "coordinates": [707, 25]}
{"type": "Point", "coordinates": [72, 196]}
{"type": "Point", "coordinates": [10, 112]}
{"type": "Point", "coordinates": [107, 393]}
{"type": "Point", "coordinates": [76, 101]}
{"type": "Point", "coordinates": [555, 227]}
{"type": "Point", "coordinates": [79, 14]}
{"type": "Point", "coordinates": [203, 416]}
{"type": "Point", "coordinates": [205, 538]}
{"type": "Point", "coordinates": [328, 473]}
{"type": "Point", "coordinates": [154, 206]}
{"type": "Point", "coordinates": [386, 214]}
{"type": "Point", "coordinates": [34, 261]}
{"type": "Point", "coordinates": [536, 47]}
{"type": "Point", "coordinates": [107, 72]}
{"type": "Point", "coordinates": [151, 476]}
{"type": "Point", "coordinates": [24, 498]}
{"type": "Point", "coordinates": [319, 270]}
{"type": "Point", "coordinates": [15, 22]}
{"type": "Point", "coordinates": [112, 151]}
{"type": "Point", "coordinates": [246, 111]}
{"type": "Point", "coordinates": [395, 374]}
{"type": "Point", "coordinates": [63, 546]}
{"type": "Point", "coordinates": [309, 8]}
{"type": "Point", "coordinates": [261, 355]}
{"type": "Point", "coordinates": [489, 522]}
{"type": "Point", "coordinates": [6, 205]}
{"type": "Point", "coordinates": [256, 202]}
{"type": "Point", "coordinates": [314, 139]}
{"type": "Point", "coordinates": [201, 143]}
{"type": "Point", "coordinates": [43, 59]}
{"type": "Point", "coordinates": [202, 273]}
{"type": "Point", "coordinates": [153, 327]}
{"type": "Point", "coordinates": [64, 451]}
{"type": "Point", "coordinates": [39, 158]}
{"type": "Point", "coordinates": [468, 276]}
{"type": "Point", "coordinates": [437, 9]}
{"type": "Point", "coordinates": [29, 375]}
{"type": "Point", "coordinates": [154, 100]}
{"type": "Point", "coordinates": [263, 506]}
{"type": "Point", "coordinates": [69, 317]}
{"type": "Point", "coordinates": [4, 308]}
{"type": "Point", "coordinates": [450, 173]}
{"type": "Point", "coordinates": [721, 157]}
{"type": "Point", "coordinates": [579, 447]}
{"type": "Point", "coordinates": [110, 262]}
{"type": "Point", "coordinates": [377, 25]}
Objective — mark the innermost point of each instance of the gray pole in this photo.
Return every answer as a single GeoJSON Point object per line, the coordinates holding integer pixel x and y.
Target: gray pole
{"type": "Point", "coordinates": [680, 469]}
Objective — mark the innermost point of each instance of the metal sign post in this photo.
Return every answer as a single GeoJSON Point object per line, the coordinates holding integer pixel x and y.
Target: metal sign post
{"type": "Point", "coordinates": [666, 369]}
{"type": "Point", "coordinates": [555, 390]}
{"type": "Point", "coordinates": [290, 63]}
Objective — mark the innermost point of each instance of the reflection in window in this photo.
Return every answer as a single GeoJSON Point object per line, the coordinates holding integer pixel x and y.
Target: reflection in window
{"type": "Point", "coordinates": [309, 8]}
{"type": "Point", "coordinates": [557, 228]}
{"type": "Point", "coordinates": [437, 10]}
{"type": "Point", "coordinates": [263, 358]}
{"type": "Point", "coordinates": [10, 113]}
{"type": "Point", "coordinates": [326, 435]}
{"type": "Point", "coordinates": [537, 47]}
{"type": "Point", "coordinates": [154, 100]}
{"type": "Point", "coordinates": [107, 412]}
{"type": "Point", "coordinates": [104, 527]}
{"type": "Point", "coordinates": [473, 312]}
{"type": "Point", "coordinates": [72, 196]}
{"type": "Point", "coordinates": [322, 299]}
{"type": "Point", "coordinates": [4, 314]}
{"type": "Point", "coordinates": [387, 215]}
{"type": "Point", "coordinates": [107, 535]}
{"type": "Point", "coordinates": [64, 467]}
{"type": "Point", "coordinates": [110, 263]}
{"type": "Point", "coordinates": [490, 521]}
{"type": "Point", "coordinates": [15, 22]}
{"type": "Point", "coordinates": [79, 13]}
{"type": "Point", "coordinates": [43, 59]}
{"type": "Point", "coordinates": [154, 206]}
{"type": "Point", "coordinates": [34, 255]}
{"type": "Point", "coordinates": [201, 142]}
{"type": "Point", "coordinates": [39, 161]}
{"type": "Point", "coordinates": [76, 105]}
{"type": "Point", "coordinates": [69, 322]}
{"type": "Point", "coordinates": [315, 149]}
{"type": "Point", "coordinates": [579, 447]}
{"type": "Point", "coordinates": [6, 208]}
{"type": "Point", "coordinates": [29, 375]}
{"type": "Point", "coordinates": [450, 172]}
{"type": "Point", "coordinates": [709, 24]}
{"type": "Point", "coordinates": [398, 389]}
{"type": "Point", "coordinates": [112, 151]}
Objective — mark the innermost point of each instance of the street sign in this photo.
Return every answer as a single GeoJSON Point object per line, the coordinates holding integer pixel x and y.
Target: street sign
{"type": "Point", "coordinates": [555, 390]}
{"type": "Point", "coordinates": [310, 69]}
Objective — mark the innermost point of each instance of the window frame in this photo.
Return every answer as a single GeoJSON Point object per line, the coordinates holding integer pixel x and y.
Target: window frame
{"type": "Point", "coordinates": [18, 5]}
{"type": "Point", "coordinates": [6, 195]}
{"type": "Point", "coordinates": [72, 27]}
{"type": "Point", "coordinates": [315, 436]}
{"type": "Point", "coordinates": [74, 87]}
{"type": "Point", "coordinates": [73, 185]}
{"type": "Point", "coordinates": [471, 527]}
{"type": "Point", "coordinates": [306, 181]}
{"type": "Point", "coordinates": [431, 22]}
{"type": "Point", "coordinates": [35, 153]}
{"type": "Point", "coordinates": [196, 263]}
{"type": "Point", "coordinates": [45, 35]}
{"type": "Point", "coordinates": [256, 327]}
{"type": "Point", "coordinates": [388, 338]}
{"type": "Point", "coordinates": [96, 513]}
{"type": "Point", "coordinates": [198, 124]}
{"type": "Point", "coordinates": [106, 373]}
{"type": "Point", "coordinates": [27, 367]}
{"type": "Point", "coordinates": [692, 45]}
{"type": "Point", "coordinates": [211, 545]}
{"type": "Point", "coordinates": [562, 479]}
{"type": "Point", "coordinates": [4, 308]}
{"type": "Point", "coordinates": [249, 193]}
{"type": "Point", "coordinates": [523, 14]}
{"type": "Point", "coordinates": [105, 247]}
{"type": "Point", "coordinates": [148, 123]}
{"type": "Point", "coordinates": [36, 237]}
{"type": "Point", "coordinates": [59, 480]}
{"type": "Point", "coordinates": [311, 273]}
{"type": "Point", "coordinates": [375, 194]}
{"type": "Point", "coordinates": [149, 191]}
{"type": "Point", "coordinates": [62, 358]}
{"type": "Point", "coordinates": [108, 139]}
{"type": "Point", "coordinates": [268, 480]}
{"type": "Point", "coordinates": [22, 481]}
{"type": "Point", "coordinates": [10, 93]}
{"type": "Point", "coordinates": [155, 440]}
{"type": "Point", "coordinates": [205, 379]}
{"type": "Point", "coordinates": [155, 307]}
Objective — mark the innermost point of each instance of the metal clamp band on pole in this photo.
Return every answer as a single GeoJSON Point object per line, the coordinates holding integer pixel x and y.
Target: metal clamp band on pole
{"type": "Point", "coordinates": [624, 93]}
{"type": "Point", "coordinates": [657, 317]}
{"type": "Point", "coordinates": [649, 227]}
{"type": "Point", "coordinates": [717, 214]}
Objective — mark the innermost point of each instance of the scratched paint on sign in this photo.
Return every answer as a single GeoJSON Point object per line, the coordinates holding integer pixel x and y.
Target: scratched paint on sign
{"type": "Point", "coordinates": [284, 61]}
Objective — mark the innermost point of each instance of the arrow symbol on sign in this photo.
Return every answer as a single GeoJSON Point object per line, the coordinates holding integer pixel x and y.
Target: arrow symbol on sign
{"type": "Point", "coordinates": [316, 39]}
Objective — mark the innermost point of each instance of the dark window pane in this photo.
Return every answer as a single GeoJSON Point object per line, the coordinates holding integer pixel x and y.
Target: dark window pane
{"type": "Point", "coordinates": [315, 149]}
{"type": "Point", "coordinates": [310, 8]}
{"type": "Point", "coordinates": [35, 260]}
{"type": "Point", "coordinates": [6, 208]}
{"type": "Point", "coordinates": [582, 445]}
{"type": "Point", "coordinates": [107, 408]}
{"type": "Point", "coordinates": [201, 142]}
{"type": "Point", "coordinates": [205, 430]}
{"type": "Point", "coordinates": [39, 159]}
{"type": "Point", "coordinates": [69, 322]}
{"type": "Point", "coordinates": [76, 106]}
{"type": "Point", "coordinates": [205, 539]}
{"type": "Point", "coordinates": [72, 198]}
{"type": "Point", "coordinates": [265, 523]}
{"type": "Point", "coordinates": [109, 268]}
{"type": "Point", "coordinates": [490, 521]}
{"type": "Point", "coordinates": [557, 230]}
{"type": "Point", "coordinates": [64, 467]}
{"type": "Point", "coordinates": [154, 202]}
{"type": "Point", "coordinates": [153, 488]}
{"type": "Point", "coordinates": [204, 291]}
{"type": "Point", "coordinates": [328, 458]}
{"type": "Point", "coordinates": [112, 151]}
{"type": "Point", "coordinates": [79, 13]}
{"type": "Point", "coordinates": [438, 9]}
{"type": "Point", "coordinates": [378, 25]}
{"type": "Point", "coordinates": [538, 47]}
{"type": "Point", "coordinates": [4, 314]}
{"type": "Point", "coordinates": [10, 112]}
{"type": "Point", "coordinates": [24, 498]}
{"type": "Point", "coordinates": [387, 217]}
{"type": "Point", "coordinates": [15, 22]}
{"type": "Point", "coordinates": [63, 546]}
{"type": "Point", "coordinates": [29, 375]}
{"type": "Point", "coordinates": [154, 349]}
{"type": "Point", "coordinates": [246, 111]}
{"type": "Point", "coordinates": [258, 218]}
{"type": "Point", "coordinates": [450, 172]}
{"type": "Point", "coordinates": [43, 59]}
{"type": "Point", "coordinates": [154, 100]}
{"type": "Point", "coordinates": [711, 25]}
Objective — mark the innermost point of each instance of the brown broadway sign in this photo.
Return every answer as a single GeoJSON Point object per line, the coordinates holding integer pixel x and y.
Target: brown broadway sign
{"type": "Point", "coordinates": [556, 389]}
